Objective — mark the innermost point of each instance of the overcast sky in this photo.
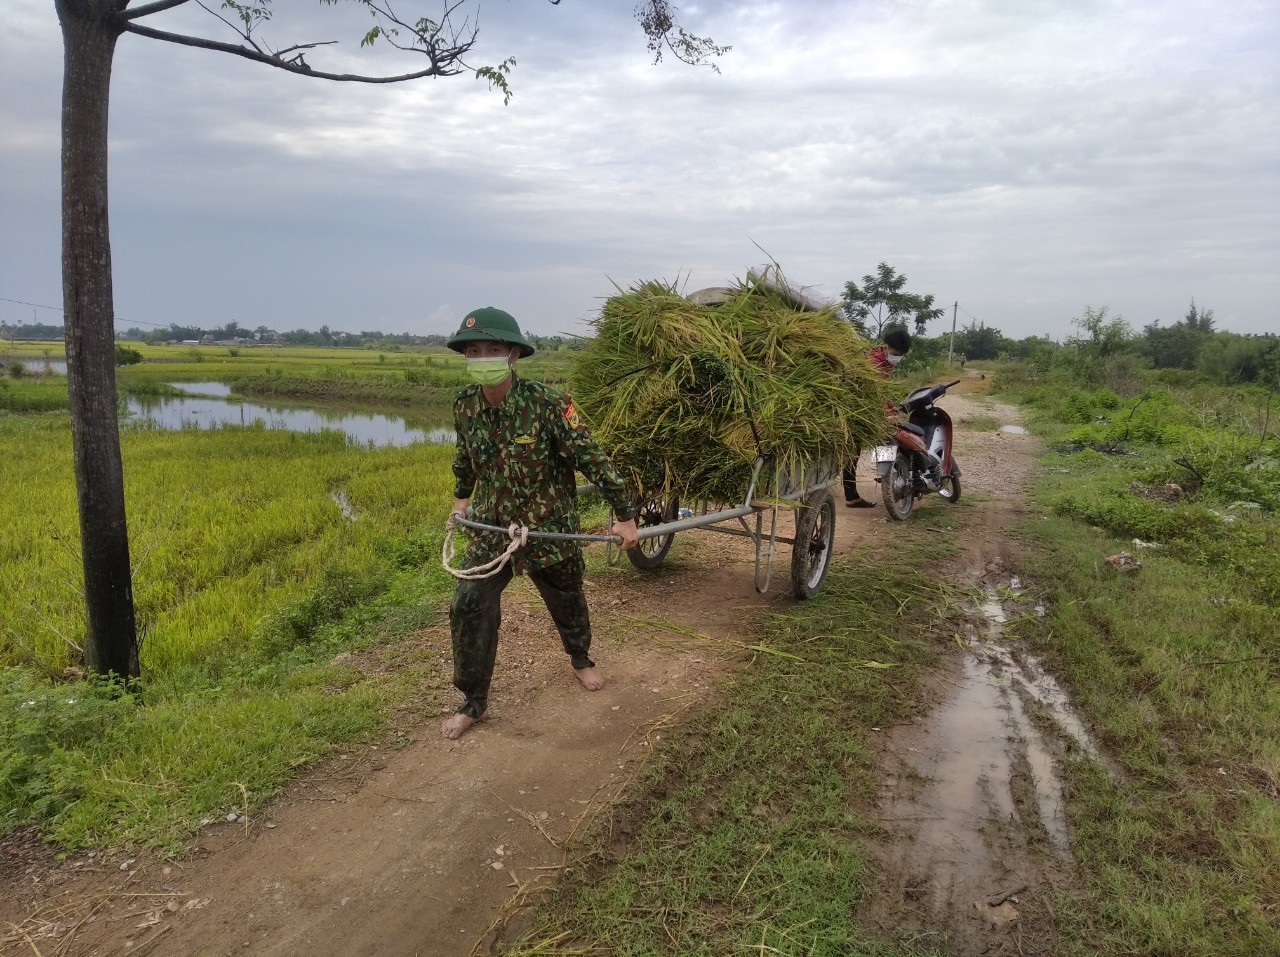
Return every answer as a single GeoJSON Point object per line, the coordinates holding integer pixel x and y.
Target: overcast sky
{"type": "Point", "coordinates": [1026, 158]}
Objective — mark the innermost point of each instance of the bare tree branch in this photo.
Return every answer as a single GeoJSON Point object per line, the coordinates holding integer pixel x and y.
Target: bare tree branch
{"type": "Point", "coordinates": [440, 41]}
{"type": "Point", "coordinates": [436, 69]}
{"type": "Point", "coordinates": [149, 8]}
{"type": "Point", "coordinates": [658, 20]}
{"type": "Point", "coordinates": [246, 32]}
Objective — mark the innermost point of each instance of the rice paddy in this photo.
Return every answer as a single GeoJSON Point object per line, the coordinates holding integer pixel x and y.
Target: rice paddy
{"type": "Point", "coordinates": [225, 524]}
{"type": "Point", "coordinates": [257, 555]}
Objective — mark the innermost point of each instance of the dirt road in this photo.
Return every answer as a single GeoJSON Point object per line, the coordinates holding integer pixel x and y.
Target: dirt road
{"type": "Point", "coordinates": [420, 845]}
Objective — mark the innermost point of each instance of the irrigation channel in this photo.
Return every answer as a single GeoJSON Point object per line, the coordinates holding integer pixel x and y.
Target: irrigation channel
{"type": "Point", "coordinates": [206, 405]}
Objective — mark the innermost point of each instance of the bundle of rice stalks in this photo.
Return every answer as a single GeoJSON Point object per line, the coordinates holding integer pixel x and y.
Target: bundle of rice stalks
{"type": "Point", "coordinates": [685, 397]}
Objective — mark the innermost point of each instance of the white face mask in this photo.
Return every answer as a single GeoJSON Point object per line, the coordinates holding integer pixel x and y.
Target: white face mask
{"type": "Point", "coordinates": [890, 358]}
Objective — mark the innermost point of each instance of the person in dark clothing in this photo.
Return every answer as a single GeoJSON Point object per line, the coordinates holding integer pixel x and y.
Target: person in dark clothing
{"type": "Point", "coordinates": [519, 443]}
{"type": "Point", "coordinates": [884, 359]}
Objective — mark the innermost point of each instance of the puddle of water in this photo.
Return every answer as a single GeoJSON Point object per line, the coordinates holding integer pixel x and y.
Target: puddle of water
{"type": "Point", "coordinates": [210, 408]}
{"type": "Point", "coordinates": [1014, 429]}
{"type": "Point", "coordinates": [344, 504]}
{"type": "Point", "coordinates": [970, 755]}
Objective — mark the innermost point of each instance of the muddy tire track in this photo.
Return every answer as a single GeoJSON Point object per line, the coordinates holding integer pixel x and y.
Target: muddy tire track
{"type": "Point", "coordinates": [975, 839]}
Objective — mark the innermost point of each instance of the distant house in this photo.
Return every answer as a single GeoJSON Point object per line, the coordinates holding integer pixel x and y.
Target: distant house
{"type": "Point", "coordinates": [267, 335]}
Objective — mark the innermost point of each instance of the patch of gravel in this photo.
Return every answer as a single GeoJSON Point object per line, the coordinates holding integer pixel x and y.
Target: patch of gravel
{"type": "Point", "coordinates": [1002, 464]}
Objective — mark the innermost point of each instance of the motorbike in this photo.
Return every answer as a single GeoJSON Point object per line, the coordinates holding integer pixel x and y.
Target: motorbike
{"type": "Point", "coordinates": [917, 459]}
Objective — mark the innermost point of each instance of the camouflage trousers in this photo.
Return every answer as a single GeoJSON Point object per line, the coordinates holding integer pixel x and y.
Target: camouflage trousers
{"type": "Point", "coordinates": [476, 612]}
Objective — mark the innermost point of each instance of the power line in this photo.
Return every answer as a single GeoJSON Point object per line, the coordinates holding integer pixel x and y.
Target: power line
{"type": "Point", "coordinates": [117, 320]}
{"type": "Point", "coordinates": [36, 304]}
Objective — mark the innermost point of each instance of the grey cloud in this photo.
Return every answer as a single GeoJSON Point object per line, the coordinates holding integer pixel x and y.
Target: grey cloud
{"type": "Point", "coordinates": [1026, 159]}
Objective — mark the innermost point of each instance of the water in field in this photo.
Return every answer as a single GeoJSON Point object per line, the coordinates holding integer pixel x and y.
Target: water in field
{"type": "Point", "coordinates": [218, 390]}
{"type": "Point", "coordinates": [207, 405]}
{"type": "Point", "coordinates": [34, 365]}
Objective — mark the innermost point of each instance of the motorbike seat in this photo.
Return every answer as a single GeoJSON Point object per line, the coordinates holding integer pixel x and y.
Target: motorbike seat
{"type": "Point", "coordinates": [912, 427]}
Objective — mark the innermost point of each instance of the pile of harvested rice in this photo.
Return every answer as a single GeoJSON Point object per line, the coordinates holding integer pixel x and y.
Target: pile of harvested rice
{"type": "Point", "coordinates": [685, 397]}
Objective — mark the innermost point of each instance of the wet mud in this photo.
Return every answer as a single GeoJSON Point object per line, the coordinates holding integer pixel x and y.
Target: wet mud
{"type": "Point", "coordinates": [974, 799]}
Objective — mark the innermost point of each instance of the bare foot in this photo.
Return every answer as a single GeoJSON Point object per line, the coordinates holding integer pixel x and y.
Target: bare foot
{"type": "Point", "coordinates": [591, 678]}
{"type": "Point", "coordinates": [457, 726]}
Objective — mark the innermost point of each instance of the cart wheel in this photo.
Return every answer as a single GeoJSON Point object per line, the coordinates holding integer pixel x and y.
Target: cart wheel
{"type": "Point", "coordinates": [899, 495]}
{"type": "Point", "coordinates": [815, 540]}
{"type": "Point", "coordinates": [949, 490]}
{"type": "Point", "coordinates": [651, 551]}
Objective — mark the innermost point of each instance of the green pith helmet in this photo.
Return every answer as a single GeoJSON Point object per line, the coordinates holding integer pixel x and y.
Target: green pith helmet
{"type": "Point", "coordinates": [489, 325]}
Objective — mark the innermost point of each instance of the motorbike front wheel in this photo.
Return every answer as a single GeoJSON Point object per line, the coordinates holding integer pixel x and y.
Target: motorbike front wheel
{"type": "Point", "coordinates": [898, 491]}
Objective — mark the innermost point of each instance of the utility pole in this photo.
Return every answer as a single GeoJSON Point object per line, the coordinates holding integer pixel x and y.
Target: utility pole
{"type": "Point", "coordinates": [952, 347]}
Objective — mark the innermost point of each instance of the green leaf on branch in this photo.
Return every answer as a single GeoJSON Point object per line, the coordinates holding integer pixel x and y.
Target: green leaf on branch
{"type": "Point", "coordinates": [497, 77]}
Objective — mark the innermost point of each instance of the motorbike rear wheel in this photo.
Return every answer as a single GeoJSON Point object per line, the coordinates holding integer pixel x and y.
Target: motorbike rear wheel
{"type": "Point", "coordinates": [898, 490]}
{"type": "Point", "coordinates": [949, 490]}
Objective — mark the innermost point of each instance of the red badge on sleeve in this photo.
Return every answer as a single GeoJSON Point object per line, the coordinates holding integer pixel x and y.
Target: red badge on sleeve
{"type": "Point", "coordinates": [571, 414]}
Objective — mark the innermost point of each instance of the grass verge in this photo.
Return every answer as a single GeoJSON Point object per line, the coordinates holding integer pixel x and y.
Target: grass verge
{"type": "Point", "coordinates": [746, 833]}
{"type": "Point", "coordinates": [32, 394]}
{"type": "Point", "coordinates": [1176, 667]}
{"type": "Point", "coordinates": [91, 764]}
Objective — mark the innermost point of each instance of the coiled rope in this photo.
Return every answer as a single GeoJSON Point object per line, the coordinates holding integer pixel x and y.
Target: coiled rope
{"type": "Point", "coordinates": [519, 538]}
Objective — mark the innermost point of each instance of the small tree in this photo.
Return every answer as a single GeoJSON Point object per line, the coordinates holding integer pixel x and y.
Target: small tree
{"type": "Point", "coordinates": [1178, 346]}
{"type": "Point", "coordinates": [1198, 320]}
{"type": "Point", "coordinates": [90, 29]}
{"type": "Point", "coordinates": [127, 357]}
{"type": "Point", "coordinates": [980, 341]}
{"type": "Point", "coordinates": [882, 300]}
{"type": "Point", "coordinates": [1106, 337]}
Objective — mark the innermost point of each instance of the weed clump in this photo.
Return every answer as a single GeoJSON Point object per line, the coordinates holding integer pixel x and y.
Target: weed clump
{"type": "Point", "coordinates": [50, 733]}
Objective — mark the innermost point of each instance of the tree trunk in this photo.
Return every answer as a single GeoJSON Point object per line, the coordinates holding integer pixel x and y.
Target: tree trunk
{"type": "Point", "coordinates": [89, 38]}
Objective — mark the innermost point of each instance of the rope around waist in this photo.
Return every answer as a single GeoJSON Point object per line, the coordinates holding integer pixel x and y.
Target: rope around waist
{"type": "Point", "coordinates": [517, 537]}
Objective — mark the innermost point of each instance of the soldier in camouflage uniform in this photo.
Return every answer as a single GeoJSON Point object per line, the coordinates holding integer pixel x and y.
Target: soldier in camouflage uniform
{"type": "Point", "coordinates": [519, 444]}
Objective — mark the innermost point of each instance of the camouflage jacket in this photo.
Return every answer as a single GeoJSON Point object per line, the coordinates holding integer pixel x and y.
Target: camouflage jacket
{"type": "Point", "coordinates": [519, 459]}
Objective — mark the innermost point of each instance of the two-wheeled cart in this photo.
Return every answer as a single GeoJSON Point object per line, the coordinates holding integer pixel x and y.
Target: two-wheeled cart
{"type": "Point", "coordinates": [808, 494]}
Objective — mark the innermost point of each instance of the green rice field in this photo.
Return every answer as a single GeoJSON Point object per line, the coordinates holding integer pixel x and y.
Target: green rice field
{"type": "Point", "coordinates": [224, 525]}
{"type": "Point", "coordinates": [257, 556]}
